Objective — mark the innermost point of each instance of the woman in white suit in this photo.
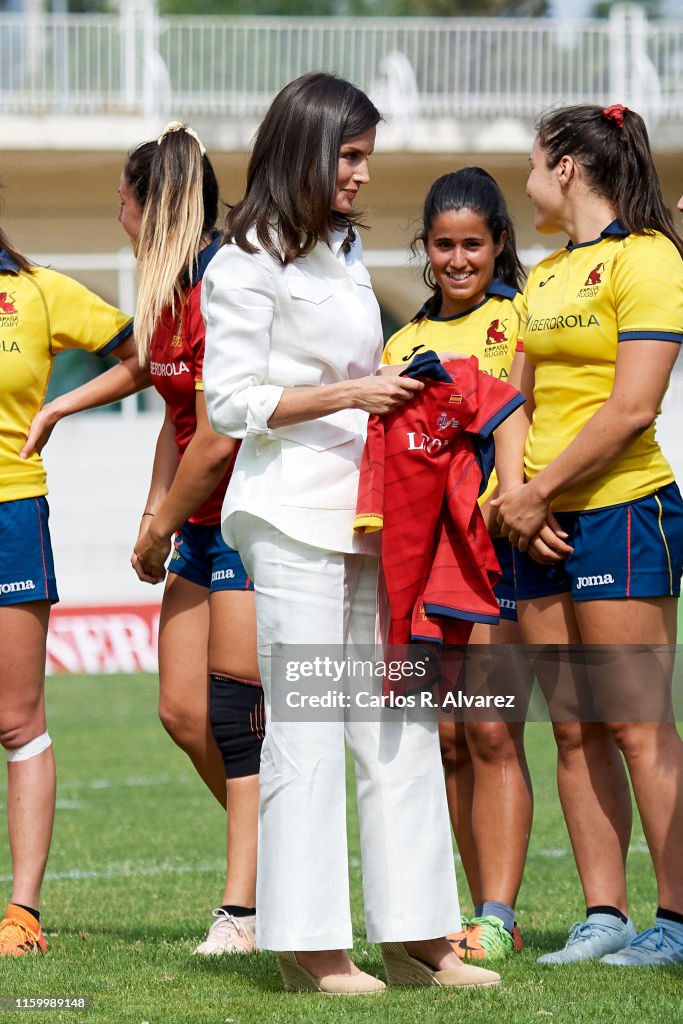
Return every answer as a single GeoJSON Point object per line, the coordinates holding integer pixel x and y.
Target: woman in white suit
{"type": "Point", "coordinates": [293, 343]}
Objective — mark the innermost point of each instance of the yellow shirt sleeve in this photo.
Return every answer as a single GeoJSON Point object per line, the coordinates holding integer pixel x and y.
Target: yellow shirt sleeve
{"type": "Point", "coordinates": [647, 284]}
{"type": "Point", "coordinates": [79, 318]}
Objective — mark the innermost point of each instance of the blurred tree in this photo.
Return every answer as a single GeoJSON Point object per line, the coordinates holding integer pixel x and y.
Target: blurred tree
{"type": "Point", "coordinates": [379, 8]}
{"type": "Point", "coordinates": [82, 6]}
{"type": "Point", "coordinates": [601, 8]}
{"type": "Point", "coordinates": [78, 6]}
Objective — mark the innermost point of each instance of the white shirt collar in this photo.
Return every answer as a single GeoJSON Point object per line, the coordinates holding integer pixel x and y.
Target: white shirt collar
{"type": "Point", "coordinates": [337, 239]}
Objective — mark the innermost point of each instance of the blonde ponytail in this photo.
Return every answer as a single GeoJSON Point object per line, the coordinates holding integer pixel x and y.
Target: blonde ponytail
{"type": "Point", "coordinates": [173, 222]}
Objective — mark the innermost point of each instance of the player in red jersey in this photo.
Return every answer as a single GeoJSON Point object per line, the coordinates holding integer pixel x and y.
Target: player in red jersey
{"type": "Point", "coordinates": [169, 206]}
{"type": "Point", "coordinates": [475, 275]}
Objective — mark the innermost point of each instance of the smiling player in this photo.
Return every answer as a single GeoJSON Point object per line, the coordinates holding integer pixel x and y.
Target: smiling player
{"type": "Point", "coordinates": [474, 275]}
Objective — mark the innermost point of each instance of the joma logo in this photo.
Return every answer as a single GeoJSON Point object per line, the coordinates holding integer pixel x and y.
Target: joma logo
{"type": "Point", "coordinates": [594, 581]}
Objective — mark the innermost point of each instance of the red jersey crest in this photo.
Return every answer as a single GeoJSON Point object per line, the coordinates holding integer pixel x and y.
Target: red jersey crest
{"type": "Point", "coordinates": [496, 332]}
{"type": "Point", "coordinates": [7, 304]}
{"type": "Point", "coordinates": [595, 276]}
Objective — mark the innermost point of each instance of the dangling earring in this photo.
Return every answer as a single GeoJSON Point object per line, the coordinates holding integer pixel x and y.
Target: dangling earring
{"type": "Point", "coordinates": [349, 240]}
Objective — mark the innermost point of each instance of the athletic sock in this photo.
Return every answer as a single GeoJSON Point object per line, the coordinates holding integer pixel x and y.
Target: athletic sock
{"type": "Point", "coordinates": [478, 909]}
{"type": "Point", "coordinates": [670, 916]}
{"type": "Point", "coordinates": [612, 911]}
{"type": "Point", "coordinates": [238, 911]}
{"type": "Point", "coordinates": [30, 910]}
{"type": "Point", "coordinates": [501, 910]}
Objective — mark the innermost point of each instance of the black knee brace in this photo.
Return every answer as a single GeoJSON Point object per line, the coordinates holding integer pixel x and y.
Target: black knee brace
{"type": "Point", "coordinates": [238, 723]}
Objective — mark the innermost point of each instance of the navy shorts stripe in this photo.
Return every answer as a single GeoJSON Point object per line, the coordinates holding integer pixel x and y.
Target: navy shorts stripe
{"type": "Point", "coordinates": [201, 556]}
{"type": "Point", "coordinates": [630, 550]}
{"type": "Point", "coordinates": [27, 571]}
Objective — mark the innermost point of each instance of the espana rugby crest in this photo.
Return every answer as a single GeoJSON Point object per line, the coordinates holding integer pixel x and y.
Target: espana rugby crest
{"type": "Point", "coordinates": [591, 285]}
{"type": "Point", "coordinates": [9, 317]}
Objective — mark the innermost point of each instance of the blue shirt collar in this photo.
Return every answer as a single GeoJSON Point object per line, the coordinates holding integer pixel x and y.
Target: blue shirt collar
{"type": "Point", "coordinates": [498, 287]}
{"type": "Point", "coordinates": [7, 264]}
{"type": "Point", "coordinates": [204, 258]}
{"type": "Point", "coordinates": [614, 230]}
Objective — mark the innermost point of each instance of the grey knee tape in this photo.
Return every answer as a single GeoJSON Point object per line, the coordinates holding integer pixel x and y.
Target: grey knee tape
{"type": "Point", "coordinates": [30, 749]}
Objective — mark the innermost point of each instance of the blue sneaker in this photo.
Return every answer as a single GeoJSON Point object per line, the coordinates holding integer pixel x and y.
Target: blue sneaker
{"type": "Point", "coordinates": [590, 940]}
{"type": "Point", "coordinates": [657, 945]}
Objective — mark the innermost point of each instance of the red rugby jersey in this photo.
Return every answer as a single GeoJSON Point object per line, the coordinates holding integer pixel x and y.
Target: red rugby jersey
{"type": "Point", "coordinates": [176, 364]}
{"type": "Point", "coordinates": [419, 484]}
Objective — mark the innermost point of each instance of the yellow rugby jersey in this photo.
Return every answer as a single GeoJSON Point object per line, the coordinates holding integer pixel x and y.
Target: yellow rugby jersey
{"type": "Point", "coordinates": [41, 313]}
{"type": "Point", "coordinates": [489, 331]}
{"type": "Point", "coordinates": [579, 304]}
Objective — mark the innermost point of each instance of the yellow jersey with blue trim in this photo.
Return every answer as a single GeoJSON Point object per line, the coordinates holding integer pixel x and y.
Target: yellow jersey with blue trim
{"type": "Point", "coordinates": [42, 313]}
{"type": "Point", "coordinates": [489, 331]}
{"type": "Point", "coordinates": [580, 303]}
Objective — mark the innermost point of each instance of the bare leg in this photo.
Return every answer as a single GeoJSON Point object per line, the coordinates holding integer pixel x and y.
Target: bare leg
{"type": "Point", "coordinates": [184, 679]}
{"type": "Point", "coordinates": [31, 783]}
{"type": "Point", "coordinates": [232, 652]}
{"type": "Point", "coordinates": [502, 807]}
{"type": "Point", "coordinates": [591, 779]}
{"type": "Point", "coordinates": [240, 883]}
{"type": "Point", "coordinates": [653, 749]}
{"type": "Point", "coordinates": [459, 778]}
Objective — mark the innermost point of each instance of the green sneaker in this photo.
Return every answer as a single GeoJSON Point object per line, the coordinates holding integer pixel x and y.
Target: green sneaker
{"type": "Point", "coordinates": [483, 938]}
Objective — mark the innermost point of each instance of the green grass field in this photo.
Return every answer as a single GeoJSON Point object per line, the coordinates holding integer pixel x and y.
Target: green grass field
{"type": "Point", "coordinates": [137, 865]}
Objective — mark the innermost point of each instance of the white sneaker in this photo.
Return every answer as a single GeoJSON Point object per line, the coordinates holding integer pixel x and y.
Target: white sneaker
{"type": "Point", "coordinates": [592, 939]}
{"type": "Point", "coordinates": [229, 934]}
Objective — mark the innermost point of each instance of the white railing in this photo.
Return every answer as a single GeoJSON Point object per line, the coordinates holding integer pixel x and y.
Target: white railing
{"type": "Point", "coordinates": [430, 67]}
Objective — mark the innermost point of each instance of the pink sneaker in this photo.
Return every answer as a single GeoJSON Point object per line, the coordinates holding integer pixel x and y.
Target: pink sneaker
{"type": "Point", "coordinates": [229, 934]}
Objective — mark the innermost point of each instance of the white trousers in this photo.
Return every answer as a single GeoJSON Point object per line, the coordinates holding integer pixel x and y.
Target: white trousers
{"type": "Point", "coordinates": [307, 596]}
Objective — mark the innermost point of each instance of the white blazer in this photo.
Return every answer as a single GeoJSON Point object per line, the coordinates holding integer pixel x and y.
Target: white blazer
{"type": "Point", "coordinates": [270, 327]}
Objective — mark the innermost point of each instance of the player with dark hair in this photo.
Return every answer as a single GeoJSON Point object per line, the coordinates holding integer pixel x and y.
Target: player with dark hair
{"type": "Point", "coordinates": [591, 503]}
{"type": "Point", "coordinates": [42, 313]}
{"type": "Point", "coordinates": [475, 277]}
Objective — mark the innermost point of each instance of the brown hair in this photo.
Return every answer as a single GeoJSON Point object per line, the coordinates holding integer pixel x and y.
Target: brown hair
{"type": "Point", "coordinates": [470, 188]}
{"type": "Point", "coordinates": [617, 161]}
{"type": "Point", "coordinates": [22, 261]}
{"type": "Point", "coordinates": [292, 173]}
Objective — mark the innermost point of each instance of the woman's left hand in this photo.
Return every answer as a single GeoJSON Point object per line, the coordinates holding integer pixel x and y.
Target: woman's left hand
{"type": "Point", "coordinates": [149, 556]}
{"type": "Point", "coordinates": [549, 545]}
{"type": "Point", "coordinates": [44, 422]}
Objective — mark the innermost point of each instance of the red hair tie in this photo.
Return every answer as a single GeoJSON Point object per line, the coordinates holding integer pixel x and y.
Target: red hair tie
{"type": "Point", "coordinates": [615, 113]}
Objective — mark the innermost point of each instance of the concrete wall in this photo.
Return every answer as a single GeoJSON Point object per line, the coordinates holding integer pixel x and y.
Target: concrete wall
{"type": "Point", "coordinates": [98, 474]}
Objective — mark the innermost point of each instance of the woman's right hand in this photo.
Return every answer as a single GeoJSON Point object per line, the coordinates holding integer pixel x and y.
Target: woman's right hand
{"type": "Point", "coordinates": [382, 394]}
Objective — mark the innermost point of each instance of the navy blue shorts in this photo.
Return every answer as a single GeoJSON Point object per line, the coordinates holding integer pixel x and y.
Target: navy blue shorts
{"type": "Point", "coordinates": [27, 570]}
{"type": "Point", "coordinates": [201, 556]}
{"type": "Point", "coordinates": [629, 550]}
{"type": "Point", "coordinates": [504, 591]}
